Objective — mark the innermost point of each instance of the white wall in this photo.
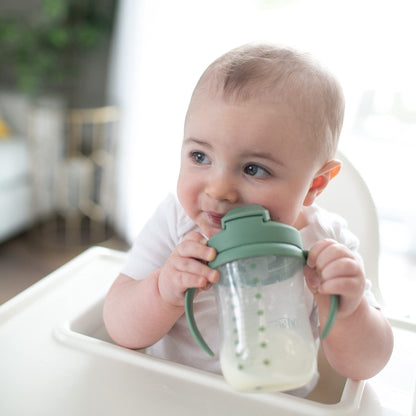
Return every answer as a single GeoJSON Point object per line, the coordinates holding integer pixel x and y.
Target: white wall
{"type": "Point", "coordinates": [164, 46]}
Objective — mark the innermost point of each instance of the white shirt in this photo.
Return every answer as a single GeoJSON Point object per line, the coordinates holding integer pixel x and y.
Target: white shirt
{"type": "Point", "coordinates": [166, 229]}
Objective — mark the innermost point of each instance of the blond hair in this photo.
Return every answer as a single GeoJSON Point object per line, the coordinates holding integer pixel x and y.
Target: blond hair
{"type": "Point", "coordinates": [257, 71]}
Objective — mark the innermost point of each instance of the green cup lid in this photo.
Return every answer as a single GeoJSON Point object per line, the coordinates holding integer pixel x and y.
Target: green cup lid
{"type": "Point", "coordinates": [249, 232]}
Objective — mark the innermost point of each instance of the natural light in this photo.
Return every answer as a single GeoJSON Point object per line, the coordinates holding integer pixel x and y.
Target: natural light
{"type": "Point", "coordinates": [162, 47]}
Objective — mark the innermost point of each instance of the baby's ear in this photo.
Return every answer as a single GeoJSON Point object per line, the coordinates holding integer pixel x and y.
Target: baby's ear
{"type": "Point", "coordinates": [321, 180]}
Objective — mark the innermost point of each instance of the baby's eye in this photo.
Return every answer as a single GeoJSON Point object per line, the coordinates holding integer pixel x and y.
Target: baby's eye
{"type": "Point", "coordinates": [256, 171]}
{"type": "Point", "coordinates": [200, 157]}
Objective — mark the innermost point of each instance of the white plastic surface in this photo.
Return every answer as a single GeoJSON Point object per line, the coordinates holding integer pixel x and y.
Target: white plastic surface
{"type": "Point", "coordinates": [348, 195]}
{"type": "Point", "coordinates": [57, 359]}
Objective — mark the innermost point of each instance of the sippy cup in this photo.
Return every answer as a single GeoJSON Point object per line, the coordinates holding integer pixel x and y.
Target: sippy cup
{"type": "Point", "coordinates": [266, 338]}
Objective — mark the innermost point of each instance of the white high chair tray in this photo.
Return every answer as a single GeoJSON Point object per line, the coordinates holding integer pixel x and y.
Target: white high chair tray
{"type": "Point", "coordinates": [57, 359]}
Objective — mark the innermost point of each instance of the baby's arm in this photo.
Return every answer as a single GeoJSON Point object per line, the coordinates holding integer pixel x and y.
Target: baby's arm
{"type": "Point", "coordinates": [361, 341]}
{"type": "Point", "coordinates": [137, 313]}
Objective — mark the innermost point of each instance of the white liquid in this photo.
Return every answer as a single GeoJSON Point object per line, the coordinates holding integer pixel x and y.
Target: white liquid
{"type": "Point", "coordinates": [286, 362]}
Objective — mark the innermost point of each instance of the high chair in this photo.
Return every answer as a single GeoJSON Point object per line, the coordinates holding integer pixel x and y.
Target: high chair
{"type": "Point", "coordinates": [348, 195]}
{"type": "Point", "coordinates": [57, 358]}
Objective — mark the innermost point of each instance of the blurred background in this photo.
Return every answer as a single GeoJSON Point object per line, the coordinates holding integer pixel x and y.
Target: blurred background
{"type": "Point", "coordinates": [93, 95]}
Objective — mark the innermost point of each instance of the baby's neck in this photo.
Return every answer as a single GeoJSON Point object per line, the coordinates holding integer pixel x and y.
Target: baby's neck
{"type": "Point", "coordinates": [301, 221]}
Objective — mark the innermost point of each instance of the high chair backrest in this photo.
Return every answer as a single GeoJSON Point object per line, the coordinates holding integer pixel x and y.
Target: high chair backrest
{"type": "Point", "coordinates": [349, 196]}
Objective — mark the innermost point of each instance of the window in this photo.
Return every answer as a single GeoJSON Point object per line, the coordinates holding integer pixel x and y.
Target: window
{"type": "Point", "coordinates": [368, 44]}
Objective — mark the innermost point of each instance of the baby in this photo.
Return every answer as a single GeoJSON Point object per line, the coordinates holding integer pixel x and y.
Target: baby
{"type": "Point", "coordinates": [262, 127]}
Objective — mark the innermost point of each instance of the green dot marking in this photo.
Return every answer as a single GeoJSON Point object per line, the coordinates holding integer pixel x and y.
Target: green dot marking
{"type": "Point", "coordinates": [256, 280]}
{"type": "Point", "coordinates": [266, 362]}
{"type": "Point", "coordinates": [253, 265]}
{"type": "Point", "coordinates": [240, 367]}
{"type": "Point", "coordinates": [262, 328]}
{"type": "Point", "coordinates": [258, 296]}
{"type": "Point", "coordinates": [260, 312]}
{"type": "Point", "coordinates": [263, 344]}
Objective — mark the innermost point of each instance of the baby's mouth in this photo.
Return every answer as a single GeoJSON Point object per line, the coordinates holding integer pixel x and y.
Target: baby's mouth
{"type": "Point", "coordinates": [215, 218]}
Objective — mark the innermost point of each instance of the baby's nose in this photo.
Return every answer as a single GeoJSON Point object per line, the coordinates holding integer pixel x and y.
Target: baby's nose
{"type": "Point", "coordinates": [222, 188]}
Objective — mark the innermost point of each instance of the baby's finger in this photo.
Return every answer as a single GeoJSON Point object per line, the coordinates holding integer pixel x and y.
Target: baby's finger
{"type": "Point", "coordinates": [333, 253]}
{"type": "Point", "coordinates": [316, 250]}
{"type": "Point", "coordinates": [191, 266]}
{"type": "Point", "coordinates": [189, 280]}
{"type": "Point", "coordinates": [349, 289]}
{"type": "Point", "coordinates": [195, 236]}
{"type": "Point", "coordinates": [195, 249]}
{"type": "Point", "coordinates": [312, 279]}
{"type": "Point", "coordinates": [341, 267]}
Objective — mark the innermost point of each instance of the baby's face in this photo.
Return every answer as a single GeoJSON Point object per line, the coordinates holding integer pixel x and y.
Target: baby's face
{"type": "Point", "coordinates": [236, 154]}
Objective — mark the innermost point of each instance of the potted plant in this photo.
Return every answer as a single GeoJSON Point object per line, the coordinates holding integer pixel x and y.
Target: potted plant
{"type": "Point", "coordinates": [41, 51]}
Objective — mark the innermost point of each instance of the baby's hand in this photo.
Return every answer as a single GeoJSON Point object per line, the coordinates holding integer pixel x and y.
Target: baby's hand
{"type": "Point", "coordinates": [186, 268]}
{"type": "Point", "coordinates": [333, 269]}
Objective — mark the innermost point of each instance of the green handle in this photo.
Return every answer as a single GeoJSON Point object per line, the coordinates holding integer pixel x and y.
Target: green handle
{"type": "Point", "coordinates": [333, 309]}
{"type": "Point", "coordinates": [189, 312]}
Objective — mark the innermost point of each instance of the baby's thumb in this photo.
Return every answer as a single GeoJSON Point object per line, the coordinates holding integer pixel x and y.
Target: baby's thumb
{"type": "Point", "coordinates": [312, 279]}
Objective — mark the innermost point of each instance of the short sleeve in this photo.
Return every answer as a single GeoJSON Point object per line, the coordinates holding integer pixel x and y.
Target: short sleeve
{"type": "Point", "coordinates": [157, 239]}
{"type": "Point", "coordinates": [154, 244]}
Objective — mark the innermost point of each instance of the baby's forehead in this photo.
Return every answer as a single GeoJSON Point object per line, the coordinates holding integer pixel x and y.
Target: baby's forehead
{"type": "Point", "coordinates": [301, 101]}
{"type": "Point", "coordinates": [307, 115]}
{"type": "Point", "coordinates": [275, 76]}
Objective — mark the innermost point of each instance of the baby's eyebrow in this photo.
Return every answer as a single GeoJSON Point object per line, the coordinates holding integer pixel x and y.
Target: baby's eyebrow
{"type": "Point", "coordinates": [199, 142]}
{"type": "Point", "coordinates": [255, 153]}
{"type": "Point", "coordinates": [261, 155]}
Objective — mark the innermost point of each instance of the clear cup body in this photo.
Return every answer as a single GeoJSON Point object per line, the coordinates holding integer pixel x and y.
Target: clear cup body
{"type": "Point", "coordinates": [266, 338]}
